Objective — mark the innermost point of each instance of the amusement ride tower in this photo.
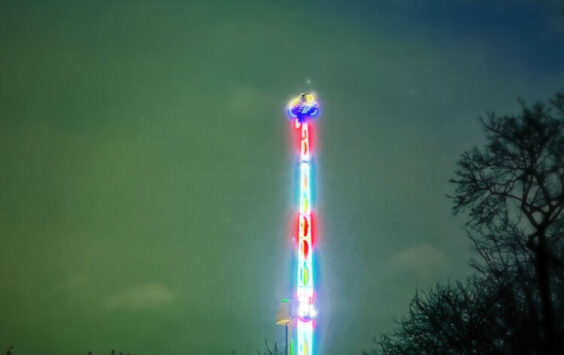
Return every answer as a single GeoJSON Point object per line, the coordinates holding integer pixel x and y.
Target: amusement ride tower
{"type": "Point", "coordinates": [302, 111]}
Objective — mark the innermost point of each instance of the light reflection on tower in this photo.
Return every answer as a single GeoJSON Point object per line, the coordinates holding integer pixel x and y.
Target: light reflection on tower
{"type": "Point", "coordinates": [303, 110]}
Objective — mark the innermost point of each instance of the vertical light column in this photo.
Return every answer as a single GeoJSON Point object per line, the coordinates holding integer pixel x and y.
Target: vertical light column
{"type": "Point", "coordinates": [303, 109]}
{"type": "Point", "coordinates": [305, 292]}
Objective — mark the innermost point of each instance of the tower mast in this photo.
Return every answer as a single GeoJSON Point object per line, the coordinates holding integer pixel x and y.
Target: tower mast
{"type": "Point", "coordinates": [302, 110]}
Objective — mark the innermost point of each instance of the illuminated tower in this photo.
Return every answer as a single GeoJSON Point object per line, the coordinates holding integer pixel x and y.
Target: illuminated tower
{"type": "Point", "coordinates": [302, 110]}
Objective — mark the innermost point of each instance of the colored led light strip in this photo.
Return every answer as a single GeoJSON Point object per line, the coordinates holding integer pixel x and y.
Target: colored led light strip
{"type": "Point", "coordinates": [302, 109]}
{"type": "Point", "coordinates": [305, 292]}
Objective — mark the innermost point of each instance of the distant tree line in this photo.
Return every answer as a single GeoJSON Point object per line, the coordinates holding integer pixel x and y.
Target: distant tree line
{"type": "Point", "coordinates": [512, 190]}
{"type": "Point", "coordinates": [11, 351]}
{"type": "Point", "coordinates": [272, 350]}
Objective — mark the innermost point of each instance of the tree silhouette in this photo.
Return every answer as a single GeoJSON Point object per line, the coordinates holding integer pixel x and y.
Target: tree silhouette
{"type": "Point", "coordinates": [274, 350]}
{"type": "Point", "coordinates": [513, 191]}
{"type": "Point", "coordinates": [475, 317]}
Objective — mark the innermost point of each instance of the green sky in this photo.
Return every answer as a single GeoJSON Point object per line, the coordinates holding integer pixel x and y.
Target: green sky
{"type": "Point", "coordinates": [147, 178]}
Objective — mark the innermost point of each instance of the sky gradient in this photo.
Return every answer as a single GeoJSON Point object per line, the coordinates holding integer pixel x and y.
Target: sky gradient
{"type": "Point", "coordinates": [147, 175]}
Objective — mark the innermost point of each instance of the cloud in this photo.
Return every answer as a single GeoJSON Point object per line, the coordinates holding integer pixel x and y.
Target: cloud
{"type": "Point", "coordinates": [421, 259]}
{"type": "Point", "coordinates": [140, 297]}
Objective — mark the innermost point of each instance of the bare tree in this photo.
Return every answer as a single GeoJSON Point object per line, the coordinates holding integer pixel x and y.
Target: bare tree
{"type": "Point", "coordinates": [475, 317]}
{"type": "Point", "coordinates": [274, 350]}
{"type": "Point", "coordinates": [513, 189]}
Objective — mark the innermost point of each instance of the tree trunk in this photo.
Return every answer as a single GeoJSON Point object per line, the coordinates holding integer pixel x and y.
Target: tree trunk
{"type": "Point", "coordinates": [545, 295]}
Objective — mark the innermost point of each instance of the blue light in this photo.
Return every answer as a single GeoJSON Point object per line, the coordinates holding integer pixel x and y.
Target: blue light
{"type": "Point", "coordinates": [303, 107]}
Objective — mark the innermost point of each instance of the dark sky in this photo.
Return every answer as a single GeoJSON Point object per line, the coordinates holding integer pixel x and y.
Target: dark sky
{"type": "Point", "coordinates": [147, 175]}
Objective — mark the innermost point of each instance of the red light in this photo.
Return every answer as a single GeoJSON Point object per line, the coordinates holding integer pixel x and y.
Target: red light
{"type": "Point", "coordinates": [304, 247]}
{"type": "Point", "coordinates": [303, 146]}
